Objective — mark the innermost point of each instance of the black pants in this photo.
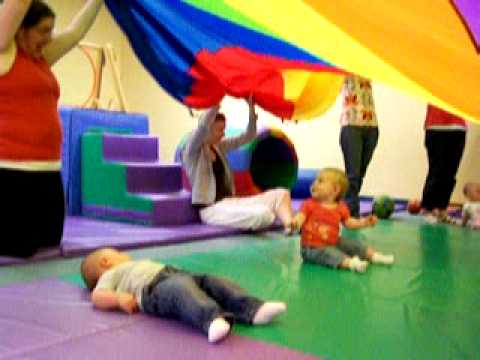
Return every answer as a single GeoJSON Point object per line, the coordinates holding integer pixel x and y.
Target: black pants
{"type": "Point", "coordinates": [444, 151]}
{"type": "Point", "coordinates": [197, 299]}
{"type": "Point", "coordinates": [358, 144]}
{"type": "Point", "coordinates": [32, 211]}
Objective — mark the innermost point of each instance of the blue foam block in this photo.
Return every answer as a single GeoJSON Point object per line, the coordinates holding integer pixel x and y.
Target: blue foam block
{"type": "Point", "coordinates": [65, 116]}
{"type": "Point", "coordinates": [301, 189]}
{"type": "Point", "coordinates": [77, 121]}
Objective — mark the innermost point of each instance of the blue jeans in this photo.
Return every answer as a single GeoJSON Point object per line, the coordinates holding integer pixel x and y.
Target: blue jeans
{"type": "Point", "coordinates": [358, 144]}
{"type": "Point", "coordinates": [333, 256]}
{"type": "Point", "coordinates": [197, 299]}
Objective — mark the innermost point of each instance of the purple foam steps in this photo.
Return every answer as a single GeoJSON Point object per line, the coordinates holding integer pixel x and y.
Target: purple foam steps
{"type": "Point", "coordinates": [154, 178]}
{"type": "Point", "coordinates": [106, 212]}
{"type": "Point", "coordinates": [145, 177]}
{"type": "Point", "coordinates": [173, 208]}
{"type": "Point", "coordinates": [130, 148]}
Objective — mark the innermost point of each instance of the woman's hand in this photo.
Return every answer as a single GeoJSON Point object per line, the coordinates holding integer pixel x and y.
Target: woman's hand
{"type": "Point", "coordinates": [251, 107]}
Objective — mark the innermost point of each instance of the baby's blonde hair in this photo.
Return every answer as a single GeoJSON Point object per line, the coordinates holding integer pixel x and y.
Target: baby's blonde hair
{"type": "Point", "coordinates": [338, 176]}
{"type": "Point", "coordinates": [90, 268]}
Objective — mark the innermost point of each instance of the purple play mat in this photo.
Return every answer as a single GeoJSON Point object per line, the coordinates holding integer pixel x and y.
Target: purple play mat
{"type": "Point", "coordinates": [55, 320]}
{"type": "Point", "coordinates": [82, 234]}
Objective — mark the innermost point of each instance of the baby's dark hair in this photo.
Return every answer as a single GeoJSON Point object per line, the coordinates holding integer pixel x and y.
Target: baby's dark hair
{"type": "Point", "coordinates": [37, 11]}
{"type": "Point", "coordinates": [220, 117]}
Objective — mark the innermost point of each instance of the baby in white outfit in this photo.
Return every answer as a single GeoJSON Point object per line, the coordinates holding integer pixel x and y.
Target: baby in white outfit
{"type": "Point", "coordinates": [471, 209]}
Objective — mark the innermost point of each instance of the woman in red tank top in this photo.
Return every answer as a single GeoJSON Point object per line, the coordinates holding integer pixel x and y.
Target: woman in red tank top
{"type": "Point", "coordinates": [33, 204]}
{"type": "Point", "coordinates": [445, 136]}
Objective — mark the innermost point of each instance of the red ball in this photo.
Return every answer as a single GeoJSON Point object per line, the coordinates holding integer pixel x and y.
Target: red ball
{"type": "Point", "coordinates": [414, 206]}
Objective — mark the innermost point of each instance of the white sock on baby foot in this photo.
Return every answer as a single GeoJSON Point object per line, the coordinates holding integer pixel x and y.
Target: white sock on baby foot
{"type": "Point", "coordinates": [267, 312]}
{"type": "Point", "coordinates": [218, 329]}
{"type": "Point", "coordinates": [358, 265]}
{"type": "Point", "coordinates": [379, 258]}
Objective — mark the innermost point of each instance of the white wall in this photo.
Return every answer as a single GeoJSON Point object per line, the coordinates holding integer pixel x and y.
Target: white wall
{"type": "Point", "coordinates": [73, 71]}
{"type": "Point", "coordinates": [398, 166]}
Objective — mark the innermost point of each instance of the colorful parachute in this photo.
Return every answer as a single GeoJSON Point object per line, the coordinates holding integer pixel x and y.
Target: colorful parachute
{"type": "Point", "coordinates": [293, 55]}
{"type": "Point", "coordinates": [469, 10]}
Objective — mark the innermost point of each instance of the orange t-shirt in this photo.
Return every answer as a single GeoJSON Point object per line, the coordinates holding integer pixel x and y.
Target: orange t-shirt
{"type": "Point", "coordinates": [322, 225]}
{"type": "Point", "coordinates": [30, 127]}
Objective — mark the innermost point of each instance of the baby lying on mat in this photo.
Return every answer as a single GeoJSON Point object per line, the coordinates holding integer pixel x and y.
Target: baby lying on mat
{"type": "Point", "coordinates": [206, 302]}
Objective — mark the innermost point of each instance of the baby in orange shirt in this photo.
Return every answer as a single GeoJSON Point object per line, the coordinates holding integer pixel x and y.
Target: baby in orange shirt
{"type": "Point", "coordinates": [319, 220]}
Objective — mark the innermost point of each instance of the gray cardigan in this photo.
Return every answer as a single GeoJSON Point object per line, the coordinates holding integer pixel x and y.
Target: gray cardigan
{"type": "Point", "coordinates": [197, 161]}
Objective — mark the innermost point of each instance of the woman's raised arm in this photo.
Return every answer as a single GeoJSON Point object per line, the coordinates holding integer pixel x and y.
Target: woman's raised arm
{"type": "Point", "coordinates": [12, 13]}
{"type": "Point", "coordinates": [64, 41]}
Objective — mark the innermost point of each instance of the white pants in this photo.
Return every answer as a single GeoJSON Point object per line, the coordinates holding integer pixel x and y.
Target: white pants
{"type": "Point", "coordinates": [249, 212]}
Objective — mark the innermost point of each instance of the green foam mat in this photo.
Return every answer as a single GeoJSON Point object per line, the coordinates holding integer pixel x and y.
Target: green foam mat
{"type": "Point", "coordinates": [422, 307]}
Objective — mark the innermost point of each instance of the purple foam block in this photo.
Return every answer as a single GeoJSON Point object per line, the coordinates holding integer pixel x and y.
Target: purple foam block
{"type": "Point", "coordinates": [173, 209]}
{"type": "Point", "coordinates": [55, 320]}
{"type": "Point", "coordinates": [154, 178]}
{"type": "Point", "coordinates": [115, 214]}
{"type": "Point", "coordinates": [130, 148]}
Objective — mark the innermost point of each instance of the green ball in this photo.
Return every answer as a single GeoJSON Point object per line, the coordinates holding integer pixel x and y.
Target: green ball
{"type": "Point", "coordinates": [383, 206]}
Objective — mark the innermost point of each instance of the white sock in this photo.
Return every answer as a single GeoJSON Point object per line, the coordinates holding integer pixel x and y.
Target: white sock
{"type": "Point", "coordinates": [268, 311]}
{"type": "Point", "coordinates": [379, 258]}
{"type": "Point", "coordinates": [358, 265]}
{"type": "Point", "coordinates": [218, 329]}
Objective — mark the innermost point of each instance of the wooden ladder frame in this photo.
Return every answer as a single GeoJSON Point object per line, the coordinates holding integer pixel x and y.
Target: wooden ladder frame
{"type": "Point", "coordinates": [98, 57]}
